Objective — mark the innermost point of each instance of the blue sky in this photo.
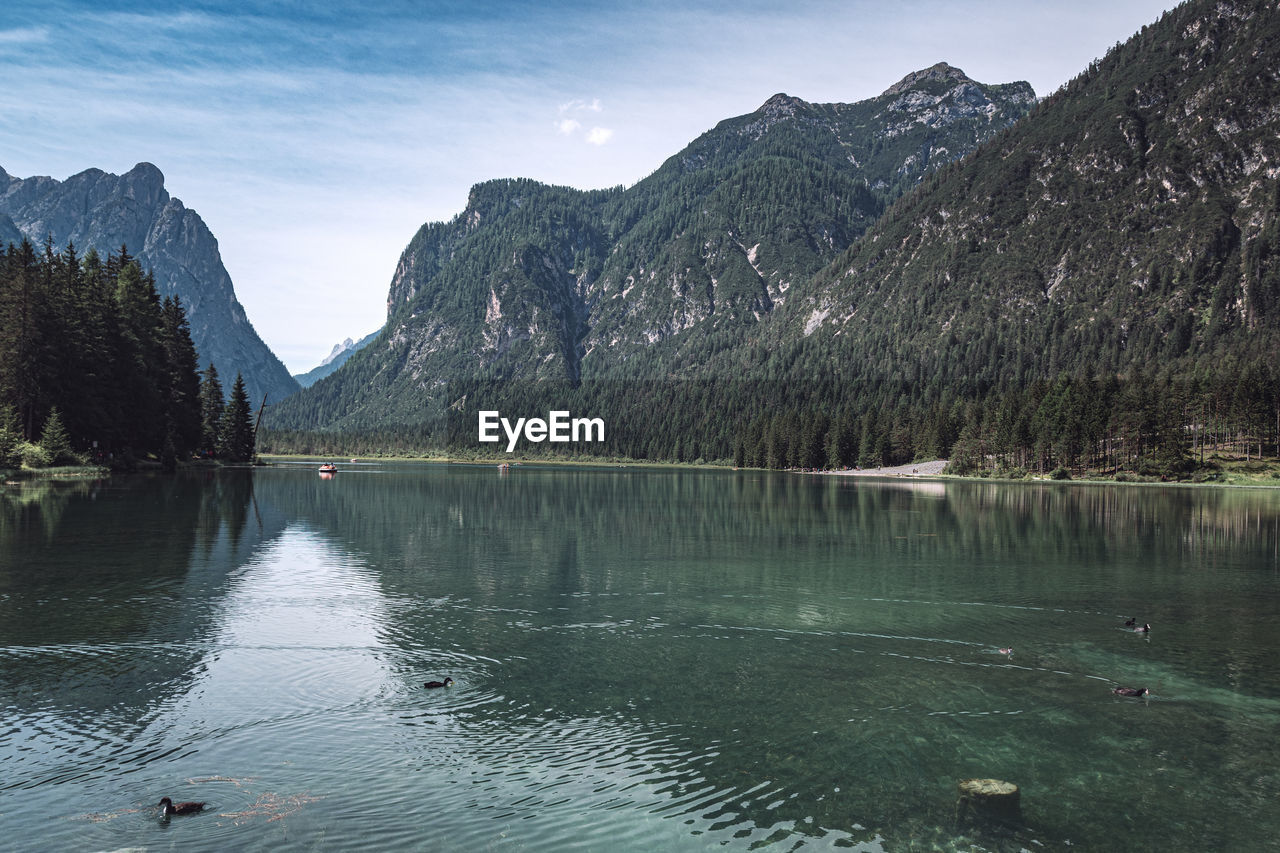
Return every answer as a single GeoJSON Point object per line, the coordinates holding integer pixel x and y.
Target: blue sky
{"type": "Point", "coordinates": [315, 139]}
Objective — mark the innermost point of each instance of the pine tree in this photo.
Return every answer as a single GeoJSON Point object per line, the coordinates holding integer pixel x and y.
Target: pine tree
{"type": "Point", "coordinates": [100, 360]}
{"type": "Point", "coordinates": [10, 437]}
{"type": "Point", "coordinates": [844, 446]}
{"type": "Point", "coordinates": [183, 406]}
{"type": "Point", "coordinates": [22, 374]}
{"type": "Point", "coordinates": [55, 441]}
{"type": "Point", "coordinates": [237, 428]}
{"type": "Point", "coordinates": [144, 373]}
{"type": "Point", "coordinates": [212, 403]}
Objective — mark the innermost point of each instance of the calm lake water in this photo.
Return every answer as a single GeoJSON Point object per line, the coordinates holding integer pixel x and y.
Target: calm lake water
{"type": "Point", "coordinates": [643, 660]}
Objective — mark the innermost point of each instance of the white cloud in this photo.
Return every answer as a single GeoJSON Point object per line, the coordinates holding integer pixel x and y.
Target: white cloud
{"type": "Point", "coordinates": [24, 35]}
{"type": "Point", "coordinates": [577, 105]}
{"type": "Point", "coordinates": [569, 126]}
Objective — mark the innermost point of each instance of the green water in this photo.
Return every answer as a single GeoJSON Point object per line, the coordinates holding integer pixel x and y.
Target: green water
{"type": "Point", "coordinates": [644, 660]}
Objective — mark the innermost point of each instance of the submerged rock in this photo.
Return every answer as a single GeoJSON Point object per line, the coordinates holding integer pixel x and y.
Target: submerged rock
{"type": "Point", "coordinates": [988, 800]}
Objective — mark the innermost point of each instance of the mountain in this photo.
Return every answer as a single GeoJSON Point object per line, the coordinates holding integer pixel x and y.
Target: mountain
{"type": "Point", "coordinates": [1098, 286]}
{"type": "Point", "coordinates": [545, 283]}
{"type": "Point", "coordinates": [1131, 222]}
{"type": "Point", "coordinates": [99, 210]}
{"type": "Point", "coordinates": [336, 358]}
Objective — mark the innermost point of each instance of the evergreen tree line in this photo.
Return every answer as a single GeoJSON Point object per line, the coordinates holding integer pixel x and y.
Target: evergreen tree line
{"type": "Point", "coordinates": [94, 364]}
{"type": "Point", "coordinates": [1162, 423]}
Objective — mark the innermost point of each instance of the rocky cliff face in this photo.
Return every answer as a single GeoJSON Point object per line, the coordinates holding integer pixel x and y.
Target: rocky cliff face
{"type": "Point", "coordinates": [99, 210]}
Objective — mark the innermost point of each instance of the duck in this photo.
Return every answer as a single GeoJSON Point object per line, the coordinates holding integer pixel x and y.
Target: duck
{"type": "Point", "coordinates": [448, 682]}
{"type": "Point", "coordinates": [1131, 622]}
{"type": "Point", "coordinates": [1145, 629]}
{"type": "Point", "coordinates": [170, 807]}
{"type": "Point", "coordinates": [1131, 691]}
{"type": "Point", "coordinates": [1007, 651]}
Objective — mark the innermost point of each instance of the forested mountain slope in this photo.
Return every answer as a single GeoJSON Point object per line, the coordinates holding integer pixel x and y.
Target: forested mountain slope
{"type": "Point", "coordinates": [540, 282]}
{"type": "Point", "coordinates": [1131, 222]}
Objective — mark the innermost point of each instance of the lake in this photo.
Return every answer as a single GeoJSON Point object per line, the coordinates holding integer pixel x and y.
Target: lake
{"type": "Point", "coordinates": [643, 660]}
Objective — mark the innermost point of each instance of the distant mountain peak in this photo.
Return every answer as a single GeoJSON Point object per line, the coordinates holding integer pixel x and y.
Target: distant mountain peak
{"type": "Point", "coordinates": [144, 168]}
{"type": "Point", "coordinates": [341, 353]}
{"type": "Point", "coordinates": [144, 173]}
{"type": "Point", "coordinates": [941, 72]}
{"type": "Point", "coordinates": [780, 105]}
{"type": "Point", "coordinates": [338, 349]}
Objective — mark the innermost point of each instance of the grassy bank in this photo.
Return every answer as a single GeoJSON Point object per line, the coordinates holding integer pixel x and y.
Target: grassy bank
{"type": "Point", "coordinates": [61, 472]}
{"type": "Point", "coordinates": [1218, 470]}
{"type": "Point", "coordinates": [1225, 471]}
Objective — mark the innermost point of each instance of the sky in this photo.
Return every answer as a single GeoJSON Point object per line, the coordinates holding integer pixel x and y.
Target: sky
{"type": "Point", "coordinates": [315, 138]}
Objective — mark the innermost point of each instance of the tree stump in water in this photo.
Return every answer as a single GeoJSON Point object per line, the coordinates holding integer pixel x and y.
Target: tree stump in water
{"type": "Point", "coordinates": [989, 800]}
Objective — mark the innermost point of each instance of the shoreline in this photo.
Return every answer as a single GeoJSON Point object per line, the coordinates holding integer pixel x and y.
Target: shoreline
{"type": "Point", "coordinates": [269, 458]}
{"type": "Point", "coordinates": [61, 472]}
{"type": "Point", "coordinates": [932, 469]}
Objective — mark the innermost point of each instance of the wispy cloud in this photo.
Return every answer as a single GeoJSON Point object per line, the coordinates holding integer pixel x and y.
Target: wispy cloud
{"type": "Point", "coordinates": [24, 35]}
{"type": "Point", "coordinates": [578, 106]}
{"type": "Point", "coordinates": [568, 125]}
{"type": "Point", "coordinates": [599, 135]}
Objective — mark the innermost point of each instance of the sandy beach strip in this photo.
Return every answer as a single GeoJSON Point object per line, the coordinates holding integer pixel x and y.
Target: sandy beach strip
{"type": "Point", "coordinates": [931, 468]}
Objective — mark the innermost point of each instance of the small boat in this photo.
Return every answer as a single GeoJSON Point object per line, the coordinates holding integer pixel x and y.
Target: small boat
{"type": "Point", "coordinates": [328, 468]}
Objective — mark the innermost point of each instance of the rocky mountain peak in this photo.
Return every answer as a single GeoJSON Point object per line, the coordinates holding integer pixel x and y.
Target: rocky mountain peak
{"type": "Point", "coordinates": [941, 72]}
{"type": "Point", "coordinates": [144, 183]}
{"type": "Point", "coordinates": [144, 172]}
{"type": "Point", "coordinates": [942, 95]}
{"type": "Point", "coordinates": [781, 105]}
{"type": "Point", "coordinates": [338, 349]}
